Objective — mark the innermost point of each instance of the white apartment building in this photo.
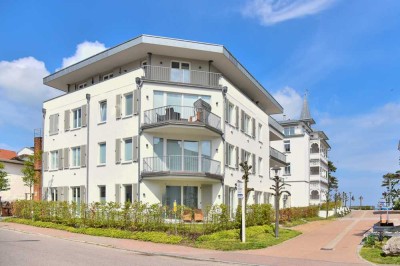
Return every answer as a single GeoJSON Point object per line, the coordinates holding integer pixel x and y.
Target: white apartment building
{"type": "Point", "coordinates": [306, 152]}
{"type": "Point", "coordinates": [158, 120]}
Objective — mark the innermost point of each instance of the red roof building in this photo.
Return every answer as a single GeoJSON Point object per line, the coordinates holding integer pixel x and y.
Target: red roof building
{"type": "Point", "coordinates": [7, 154]}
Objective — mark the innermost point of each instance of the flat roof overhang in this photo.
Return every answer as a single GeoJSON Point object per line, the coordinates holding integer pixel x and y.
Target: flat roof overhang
{"type": "Point", "coordinates": [139, 47]}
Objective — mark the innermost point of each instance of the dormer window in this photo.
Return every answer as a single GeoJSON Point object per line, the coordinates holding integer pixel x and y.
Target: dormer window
{"type": "Point", "coordinates": [108, 76]}
{"type": "Point", "coordinates": [82, 86]}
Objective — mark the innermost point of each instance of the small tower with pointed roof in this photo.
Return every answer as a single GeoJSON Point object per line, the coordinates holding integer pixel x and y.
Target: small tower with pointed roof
{"type": "Point", "coordinates": [305, 115]}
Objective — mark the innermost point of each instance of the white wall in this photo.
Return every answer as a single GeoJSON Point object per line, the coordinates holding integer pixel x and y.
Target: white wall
{"type": "Point", "coordinates": [17, 187]}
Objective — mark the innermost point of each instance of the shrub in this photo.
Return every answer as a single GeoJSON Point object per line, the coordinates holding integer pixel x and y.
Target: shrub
{"type": "Point", "coordinates": [296, 213]}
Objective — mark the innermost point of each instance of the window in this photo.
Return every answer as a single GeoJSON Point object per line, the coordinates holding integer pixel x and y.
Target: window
{"type": "Point", "coordinates": [231, 110]}
{"type": "Point", "coordinates": [128, 193]}
{"type": "Point", "coordinates": [260, 168]}
{"type": "Point", "coordinates": [247, 121]}
{"type": "Point", "coordinates": [289, 131]}
{"type": "Point", "coordinates": [287, 169]}
{"type": "Point", "coordinates": [231, 155]}
{"type": "Point", "coordinates": [53, 194]}
{"type": "Point", "coordinates": [77, 118]}
{"type": "Point", "coordinates": [103, 111]}
{"type": "Point", "coordinates": [76, 194]}
{"type": "Point", "coordinates": [108, 76]}
{"type": "Point", "coordinates": [180, 72]}
{"type": "Point", "coordinates": [102, 153]}
{"type": "Point", "coordinates": [82, 86]}
{"type": "Point", "coordinates": [76, 156]}
{"type": "Point", "coordinates": [259, 132]}
{"type": "Point", "coordinates": [128, 104]}
{"type": "Point", "coordinates": [286, 145]}
{"type": "Point", "coordinates": [128, 150]}
{"type": "Point", "coordinates": [53, 160]}
{"type": "Point", "coordinates": [102, 190]}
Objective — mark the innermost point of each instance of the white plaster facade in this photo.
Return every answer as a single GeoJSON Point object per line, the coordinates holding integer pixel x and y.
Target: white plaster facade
{"type": "Point", "coordinates": [150, 143]}
{"type": "Point", "coordinates": [17, 189]}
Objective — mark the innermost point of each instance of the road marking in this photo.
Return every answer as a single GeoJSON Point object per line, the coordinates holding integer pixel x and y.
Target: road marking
{"type": "Point", "coordinates": [331, 245]}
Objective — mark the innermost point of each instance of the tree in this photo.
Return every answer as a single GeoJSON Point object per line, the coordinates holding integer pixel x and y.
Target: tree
{"type": "Point", "coordinates": [390, 181]}
{"type": "Point", "coordinates": [4, 185]}
{"type": "Point", "coordinates": [29, 177]}
{"type": "Point", "coordinates": [337, 199]}
{"type": "Point", "coordinates": [278, 188]}
{"type": "Point", "coordinates": [246, 168]}
{"type": "Point", "coordinates": [332, 184]}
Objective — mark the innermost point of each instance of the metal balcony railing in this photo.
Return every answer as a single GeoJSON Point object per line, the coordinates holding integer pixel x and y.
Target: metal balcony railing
{"type": "Point", "coordinates": [182, 114]}
{"type": "Point", "coordinates": [277, 154]}
{"type": "Point", "coordinates": [181, 164]}
{"type": "Point", "coordinates": [209, 79]}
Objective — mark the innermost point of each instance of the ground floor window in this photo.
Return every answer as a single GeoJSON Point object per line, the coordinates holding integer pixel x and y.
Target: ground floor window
{"type": "Point", "coordinates": [54, 194]}
{"type": "Point", "coordinates": [128, 193]}
{"type": "Point", "coordinates": [182, 195]}
{"type": "Point", "coordinates": [76, 194]}
{"type": "Point", "coordinates": [102, 190]}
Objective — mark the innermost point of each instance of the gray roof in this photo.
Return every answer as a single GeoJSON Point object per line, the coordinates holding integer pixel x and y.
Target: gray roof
{"type": "Point", "coordinates": [305, 112]}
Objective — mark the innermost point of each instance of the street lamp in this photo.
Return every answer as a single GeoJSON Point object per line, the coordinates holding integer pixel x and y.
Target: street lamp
{"type": "Point", "coordinates": [278, 191]}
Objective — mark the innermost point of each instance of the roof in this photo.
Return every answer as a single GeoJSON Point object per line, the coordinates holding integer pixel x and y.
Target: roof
{"type": "Point", "coordinates": [7, 154]}
{"type": "Point", "coordinates": [140, 46]}
{"type": "Point", "coordinates": [305, 114]}
{"type": "Point", "coordinates": [13, 161]}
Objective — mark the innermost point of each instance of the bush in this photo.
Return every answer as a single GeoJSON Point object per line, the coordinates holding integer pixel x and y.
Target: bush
{"type": "Point", "coordinates": [296, 213]}
{"type": "Point", "coordinates": [331, 205]}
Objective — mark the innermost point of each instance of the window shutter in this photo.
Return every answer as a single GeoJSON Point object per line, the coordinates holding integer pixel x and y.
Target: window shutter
{"type": "Point", "coordinates": [226, 153]}
{"type": "Point", "coordinates": [242, 121]}
{"type": "Point", "coordinates": [67, 120]}
{"type": "Point", "coordinates": [83, 194]}
{"type": "Point", "coordinates": [117, 193]}
{"type": "Point", "coordinates": [60, 159]}
{"type": "Point", "coordinates": [56, 126]}
{"type": "Point", "coordinates": [254, 163]}
{"type": "Point", "coordinates": [253, 126]}
{"type": "Point", "coordinates": [118, 151]}
{"type": "Point", "coordinates": [51, 124]}
{"type": "Point", "coordinates": [237, 157]}
{"type": "Point", "coordinates": [83, 156]}
{"type": "Point", "coordinates": [118, 106]}
{"type": "Point", "coordinates": [135, 154]}
{"type": "Point", "coordinates": [265, 197]}
{"type": "Point", "coordinates": [226, 110]}
{"type": "Point", "coordinates": [237, 116]}
{"type": "Point", "coordinates": [60, 194]}
{"type": "Point", "coordinates": [242, 155]}
{"type": "Point", "coordinates": [66, 158]}
{"type": "Point", "coordinates": [136, 102]}
{"type": "Point", "coordinates": [134, 192]}
{"type": "Point", "coordinates": [84, 115]}
{"type": "Point", "coordinates": [45, 161]}
{"type": "Point", "coordinates": [227, 197]}
{"type": "Point", "coordinates": [65, 193]}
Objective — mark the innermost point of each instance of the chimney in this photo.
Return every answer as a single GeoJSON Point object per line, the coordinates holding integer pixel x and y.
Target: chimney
{"type": "Point", "coordinates": [37, 165]}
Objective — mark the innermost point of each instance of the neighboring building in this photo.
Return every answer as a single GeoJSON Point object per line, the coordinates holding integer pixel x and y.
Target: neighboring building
{"type": "Point", "coordinates": [159, 120]}
{"type": "Point", "coordinates": [307, 156]}
{"type": "Point", "coordinates": [13, 166]}
{"type": "Point", "coordinates": [24, 153]}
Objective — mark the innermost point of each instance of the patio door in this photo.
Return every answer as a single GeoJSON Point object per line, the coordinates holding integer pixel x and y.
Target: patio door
{"type": "Point", "coordinates": [173, 193]}
{"type": "Point", "coordinates": [180, 72]}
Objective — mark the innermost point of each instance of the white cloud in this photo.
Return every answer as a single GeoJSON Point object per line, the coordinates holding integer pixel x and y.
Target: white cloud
{"type": "Point", "coordinates": [83, 51]}
{"type": "Point", "coordinates": [270, 12]}
{"type": "Point", "coordinates": [291, 102]}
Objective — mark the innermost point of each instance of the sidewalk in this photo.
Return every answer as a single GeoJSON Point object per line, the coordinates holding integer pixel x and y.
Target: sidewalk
{"type": "Point", "coordinates": [322, 243]}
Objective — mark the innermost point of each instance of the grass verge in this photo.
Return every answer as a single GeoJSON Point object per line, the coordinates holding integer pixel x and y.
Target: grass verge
{"type": "Point", "coordinates": [256, 236]}
{"type": "Point", "coordinates": [306, 220]}
{"type": "Point", "coordinates": [374, 254]}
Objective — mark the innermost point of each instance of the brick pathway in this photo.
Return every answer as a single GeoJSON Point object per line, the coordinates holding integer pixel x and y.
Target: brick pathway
{"type": "Point", "coordinates": [322, 243]}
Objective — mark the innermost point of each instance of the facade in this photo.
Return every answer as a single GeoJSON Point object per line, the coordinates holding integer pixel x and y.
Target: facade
{"type": "Point", "coordinates": [306, 150]}
{"type": "Point", "coordinates": [158, 120]}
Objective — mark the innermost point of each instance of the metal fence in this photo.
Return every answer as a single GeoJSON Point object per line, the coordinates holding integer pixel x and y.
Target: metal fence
{"type": "Point", "coordinates": [168, 74]}
{"type": "Point", "coordinates": [182, 114]}
{"type": "Point", "coordinates": [180, 163]}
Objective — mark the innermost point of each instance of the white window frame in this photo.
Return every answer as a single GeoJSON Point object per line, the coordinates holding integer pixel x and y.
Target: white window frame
{"type": "Point", "coordinates": [231, 156]}
{"type": "Point", "coordinates": [75, 157]}
{"type": "Point", "coordinates": [105, 153]}
{"type": "Point", "coordinates": [231, 113]}
{"type": "Point", "coordinates": [124, 141]}
{"type": "Point", "coordinates": [260, 166]}
{"type": "Point", "coordinates": [54, 160]}
{"type": "Point", "coordinates": [289, 131]}
{"type": "Point", "coordinates": [76, 190]}
{"type": "Point", "coordinates": [287, 170]}
{"type": "Point", "coordinates": [78, 120]}
{"type": "Point", "coordinates": [108, 76]}
{"type": "Point", "coordinates": [286, 143]}
{"type": "Point", "coordinates": [247, 124]}
{"type": "Point", "coordinates": [259, 133]}
{"type": "Point", "coordinates": [53, 194]}
{"type": "Point", "coordinates": [105, 194]}
{"type": "Point", "coordinates": [101, 120]}
{"type": "Point", "coordinates": [124, 104]}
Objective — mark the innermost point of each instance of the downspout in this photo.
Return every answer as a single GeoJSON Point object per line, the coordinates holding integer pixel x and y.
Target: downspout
{"type": "Point", "coordinates": [42, 170]}
{"type": "Point", "coordinates": [87, 146]}
{"type": "Point", "coordinates": [139, 84]}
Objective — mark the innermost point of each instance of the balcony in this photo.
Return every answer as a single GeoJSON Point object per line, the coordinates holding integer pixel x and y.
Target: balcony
{"type": "Point", "coordinates": [179, 165]}
{"type": "Point", "coordinates": [186, 120]}
{"type": "Point", "coordinates": [277, 158]}
{"type": "Point", "coordinates": [275, 130]}
{"type": "Point", "coordinates": [186, 76]}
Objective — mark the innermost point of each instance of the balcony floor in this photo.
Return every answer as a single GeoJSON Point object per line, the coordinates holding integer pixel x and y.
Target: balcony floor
{"type": "Point", "coordinates": [191, 130]}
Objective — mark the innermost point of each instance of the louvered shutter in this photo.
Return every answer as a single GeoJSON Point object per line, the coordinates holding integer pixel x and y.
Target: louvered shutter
{"type": "Point", "coordinates": [135, 102]}
{"type": "Point", "coordinates": [253, 127]}
{"type": "Point", "coordinates": [66, 158]}
{"type": "Point", "coordinates": [84, 115]}
{"type": "Point", "coordinates": [265, 198]}
{"type": "Point", "coordinates": [65, 193]}
{"type": "Point", "coordinates": [134, 192]}
{"type": "Point", "coordinates": [226, 153]}
{"type": "Point", "coordinates": [45, 161]}
{"type": "Point", "coordinates": [67, 120]}
{"type": "Point", "coordinates": [83, 155]}
{"type": "Point", "coordinates": [227, 196]}
{"type": "Point", "coordinates": [118, 151]}
{"type": "Point", "coordinates": [237, 157]}
{"type": "Point", "coordinates": [118, 106]}
{"type": "Point", "coordinates": [226, 110]}
{"type": "Point", "coordinates": [135, 154]}
{"type": "Point", "coordinates": [242, 121]}
{"type": "Point", "coordinates": [237, 116]}
{"type": "Point", "coordinates": [60, 159]}
{"type": "Point", "coordinates": [117, 193]}
{"type": "Point", "coordinates": [242, 155]}
{"type": "Point", "coordinates": [254, 163]}
{"type": "Point", "coordinates": [56, 123]}
{"type": "Point", "coordinates": [83, 194]}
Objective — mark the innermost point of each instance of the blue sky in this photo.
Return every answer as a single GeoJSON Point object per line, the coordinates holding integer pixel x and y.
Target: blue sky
{"type": "Point", "coordinates": [345, 53]}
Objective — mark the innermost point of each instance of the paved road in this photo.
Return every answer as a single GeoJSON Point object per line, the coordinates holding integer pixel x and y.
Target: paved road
{"type": "Point", "coordinates": [18, 248]}
{"type": "Point", "coordinates": [323, 243]}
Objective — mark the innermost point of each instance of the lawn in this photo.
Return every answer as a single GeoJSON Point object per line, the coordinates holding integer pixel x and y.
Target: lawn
{"type": "Point", "coordinates": [256, 236]}
{"type": "Point", "coordinates": [374, 254]}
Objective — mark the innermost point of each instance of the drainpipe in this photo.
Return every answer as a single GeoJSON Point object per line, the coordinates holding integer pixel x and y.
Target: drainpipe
{"type": "Point", "coordinates": [87, 146]}
{"type": "Point", "coordinates": [42, 170]}
{"type": "Point", "coordinates": [139, 84]}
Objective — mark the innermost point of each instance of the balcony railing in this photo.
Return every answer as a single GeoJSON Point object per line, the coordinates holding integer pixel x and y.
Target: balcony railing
{"type": "Point", "coordinates": [195, 77]}
{"type": "Point", "coordinates": [277, 155]}
{"type": "Point", "coordinates": [181, 164]}
{"type": "Point", "coordinates": [273, 123]}
{"type": "Point", "coordinates": [182, 114]}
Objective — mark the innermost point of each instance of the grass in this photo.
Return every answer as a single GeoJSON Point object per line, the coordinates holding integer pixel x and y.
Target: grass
{"type": "Point", "coordinates": [256, 236]}
{"type": "Point", "coordinates": [374, 254]}
{"type": "Point", "coordinates": [306, 220]}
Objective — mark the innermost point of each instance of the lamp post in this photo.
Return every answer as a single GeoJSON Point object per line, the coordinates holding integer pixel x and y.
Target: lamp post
{"type": "Point", "coordinates": [278, 191]}
{"type": "Point", "coordinates": [350, 200]}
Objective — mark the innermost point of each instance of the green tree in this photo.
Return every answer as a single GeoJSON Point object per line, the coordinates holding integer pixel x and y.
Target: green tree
{"type": "Point", "coordinates": [332, 184]}
{"type": "Point", "coordinates": [28, 170]}
{"type": "Point", "coordinates": [4, 185]}
{"type": "Point", "coordinates": [390, 181]}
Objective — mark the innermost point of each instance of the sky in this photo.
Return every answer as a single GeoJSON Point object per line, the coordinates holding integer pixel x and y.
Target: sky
{"type": "Point", "coordinates": [344, 54]}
